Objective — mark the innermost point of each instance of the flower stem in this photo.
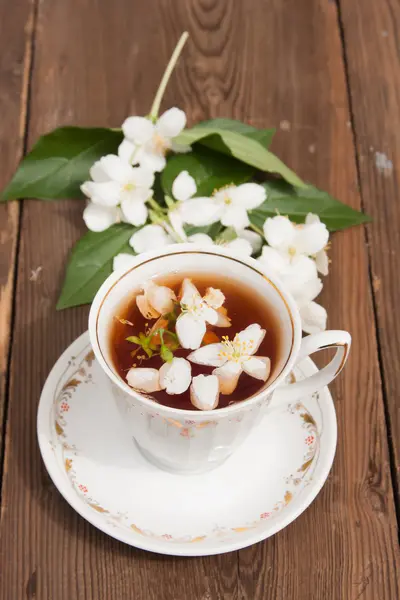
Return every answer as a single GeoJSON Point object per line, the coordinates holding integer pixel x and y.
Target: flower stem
{"type": "Point", "coordinates": [167, 74]}
{"type": "Point", "coordinates": [257, 229]}
{"type": "Point", "coordinates": [154, 204]}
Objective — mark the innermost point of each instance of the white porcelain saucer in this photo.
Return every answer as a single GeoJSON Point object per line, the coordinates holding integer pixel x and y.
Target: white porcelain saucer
{"type": "Point", "coordinates": [270, 480]}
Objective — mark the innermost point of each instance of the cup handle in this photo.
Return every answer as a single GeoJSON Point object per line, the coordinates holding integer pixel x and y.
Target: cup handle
{"type": "Point", "coordinates": [341, 340]}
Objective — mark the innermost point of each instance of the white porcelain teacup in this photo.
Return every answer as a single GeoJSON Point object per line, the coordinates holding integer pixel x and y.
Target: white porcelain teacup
{"type": "Point", "coordinates": [191, 441]}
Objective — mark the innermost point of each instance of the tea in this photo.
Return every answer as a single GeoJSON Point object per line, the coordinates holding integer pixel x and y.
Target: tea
{"type": "Point", "coordinates": [138, 342]}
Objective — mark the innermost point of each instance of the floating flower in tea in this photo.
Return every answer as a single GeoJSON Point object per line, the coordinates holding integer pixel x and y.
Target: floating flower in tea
{"type": "Point", "coordinates": [175, 376]}
{"type": "Point", "coordinates": [232, 357]}
{"type": "Point", "coordinates": [204, 392]}
{"type": "Point", "coordinates": [191, 325]}
{"type": "Point", "coordinates": [156, 300]}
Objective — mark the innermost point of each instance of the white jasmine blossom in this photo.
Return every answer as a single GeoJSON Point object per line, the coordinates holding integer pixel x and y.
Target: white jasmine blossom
{"type": "Point", "coordinates": [300, 277]}
{"type": "Point", "coordinates": [204, 392]}
{"type": "Point", "coordinates": [115, 183]}
{"type": "Point", "coordinates": [293, 240]}
{"type": "Point", "coordinates": [99, 218]}
{"type": "Point", "coordinates": [150, 237]}
{"type": "Point", "coordinates": [146, 142]}
{"type": "Point", "coordinates": [183, 189]}
{"type": "Point", "coordinates": [144, 379]}
{"type": "Point", "coordinates": [232, 357]}
{"type": "Point", "coordinates": [156, 300]}
{"type": "Point", "coordinates": [175, 376]}
{"type": "Point", "coordinates": [228, 205]}
{"type": "Point", "coordinates": [196, 313]}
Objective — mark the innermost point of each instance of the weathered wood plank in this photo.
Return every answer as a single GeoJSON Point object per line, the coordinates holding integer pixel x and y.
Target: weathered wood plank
{"type": "Point", "coordinates": [345, 545]}
{"type": "Point", "coordinates": [372, 51]}
{"type": "Point", "coordinates": [94, 64]}
{"type": "Point", "coordinates": [15, 64]}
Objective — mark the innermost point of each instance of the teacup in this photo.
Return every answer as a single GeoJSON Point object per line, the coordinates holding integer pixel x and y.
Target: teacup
{"type": "Point", "coordinates": [191, 441]}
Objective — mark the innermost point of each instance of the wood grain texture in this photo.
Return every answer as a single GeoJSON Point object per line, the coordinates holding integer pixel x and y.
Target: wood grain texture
{"type": "Point", "coordinates": [371, 35]}
{"type": "Point", "coordinates": [345, 546]}
{"type": "Point", "coordinates": [266, 62]}
{"type": "Point", "coordinates": [94, 64]}
{"type": "Point", "coordinates": [15, 65]}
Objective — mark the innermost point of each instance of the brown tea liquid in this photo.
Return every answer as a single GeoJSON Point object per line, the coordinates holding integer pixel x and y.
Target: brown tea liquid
{"type": "Point", "coordinates": [244, 308]}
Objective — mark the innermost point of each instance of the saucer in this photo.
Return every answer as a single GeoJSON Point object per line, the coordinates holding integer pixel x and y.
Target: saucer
{"type": "Point", "coordinates": [266, 484]}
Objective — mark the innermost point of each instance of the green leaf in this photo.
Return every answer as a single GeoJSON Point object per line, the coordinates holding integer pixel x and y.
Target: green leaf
{"type": "Point", "coordinates": [263, 136]}
{"type": "Point", "coordinates": [134, 339]}
{"type": "Point", "coordinates": [241, 147]}
{"type": "Point", "coordinates": [90, 263]}
{"type": "Point", "coordinates": [297, 203]}
{"type": "Point", "coordinates": [60, 161]}
{"type": "Point", "coordinates": [209, 169]}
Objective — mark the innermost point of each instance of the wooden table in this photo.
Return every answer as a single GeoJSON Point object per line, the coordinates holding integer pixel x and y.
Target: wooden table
{"type": "Point", "coordinates": [327, 75]}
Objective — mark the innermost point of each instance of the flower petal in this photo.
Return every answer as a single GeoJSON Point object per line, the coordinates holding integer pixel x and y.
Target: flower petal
{"type": "Point", "coordinates": [308, 291]}
{"type": "Point", "coordinates": [313, 317]}
{"type": "Point", "coordinates": [209, 314]}
{"type": "Point", "coordinates": [258, 367]}
{"type": "Point", "coordinates": [97, 173]}
{"type": "Point", "coordinates": [209, 355]}
{"type": "Point", "coordinates": [123, 261]}
{"type": "Point", "coordinates": [161, 297]}
{"type": "Point", "coordinates": [150, 237]}
{"type": "Point", "coordinates": [190, 330]}
{"type": "Point", "coordinates": [105, 194]}
{"type": "Point", "coordinates": [310, 239]}
{"type": "Point", "coordinates": [279, 232]}
{"type": "Point", "coordinates": [248, 195]}
{"type": "Point", "coordinates": [142, 177]}
{"type": "Point", "coordinates": [214, 298]}
{"type": "Point", "coordinates": [171, 123]}
{"type": "Point", "coordinates": [322, 262]}
{"type": "Point", "coordinates": [175, 377]}
{"type": "Point", "coordinates": [251, 337]}
{"type": "Point", "coordinates": [184, 186]}
{"type": "Point", "coordinates": [116, 168]}
{"type": "Point", "coordinates": [144, 379]}
{"type": "Point", "coordinates": [223, 319]}
{"type": "Point", "coordinates": [275, 260]}
{"type": "Point", "coordinates": [138, 129]}
{"type": "Point", "coordinates": [176, 221]}
{"type": "Point", "coordinates": [152, 161]}
{"type": "Point", "coordinates": [134, 211]}
{"type": "Point", "coordinates": [189, 293]}
{"type": "Point", "coordinates": [201, 239]}
{"type": "Point", "coordinates": [228, 376]}
{"type": "Point", "coordinates": [201, 211]}
{"type": "Point", "coordinates": [235, 216]}
{"type": "Point", "coordinates": [300, 271]}
{"type": "Point", "coordinates": [99, 218]}
{"type": "Point", "coordinates": [204, 392]}
{"type": "Point", "coordinates": [127, 150]}
{"type": "Point", "coordinates": [311, 219]}
{"type": "Point", "coordinates": [240, 246]}
{"type": "Point", "coordinates": [145, 308]}
{"type": "Point", "coordinates": [254, 238]}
